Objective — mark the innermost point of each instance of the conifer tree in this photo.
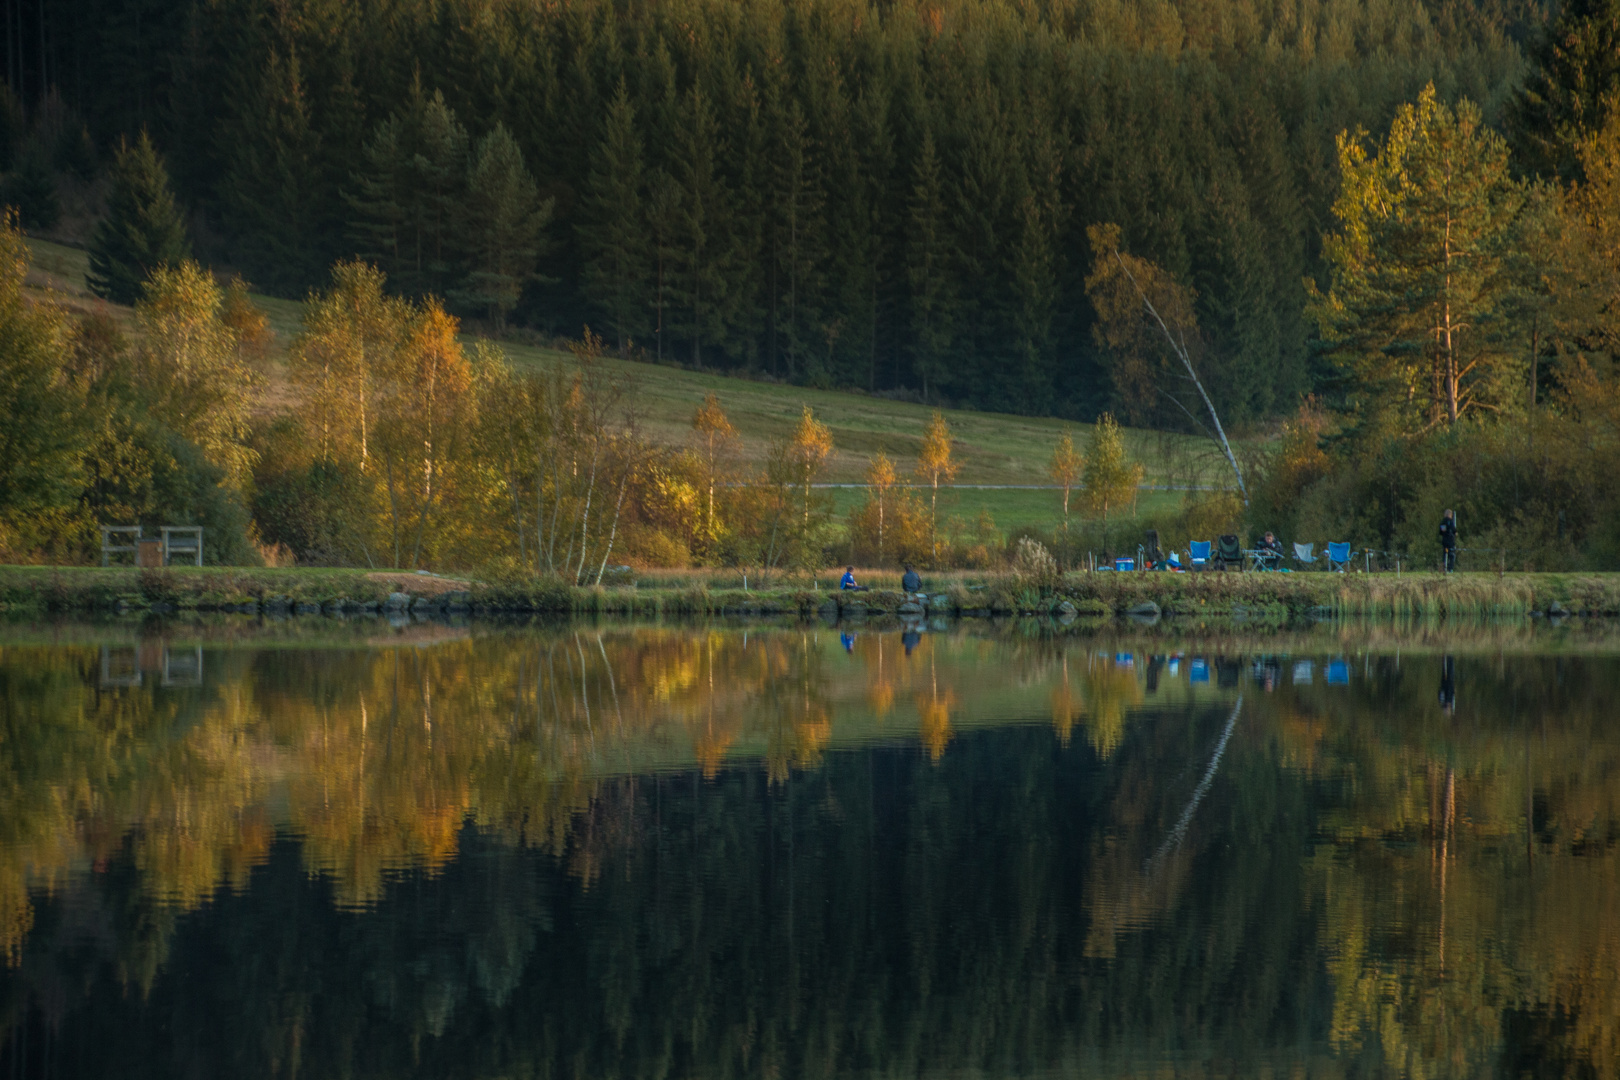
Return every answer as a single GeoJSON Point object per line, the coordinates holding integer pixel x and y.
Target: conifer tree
{"type": "Point", "coordinates": [31, 191]}
{"type": "Point", "coordinates": [698, 285]}
{"type": "Point", "coordinates": [1572, 90]}
{"type": "Point", "coordinates": [797, 234]}
{"type": "Point", "coordinates": [665, 210]}
{"type": "Point", "coordinates": [142, 231]}
{"type": "Point", "coordinates": [1418, 289]}
{"type": "Point", "coordinates": [501, 227]}
{"type": "Point", "coordinates": [613, 234]}
{"type": "Point", "coordinates": [406, 201]}
{"type": "Point", "coordinates": [273, 189]}
{"type": "Point", "coordinates": [928, 267]}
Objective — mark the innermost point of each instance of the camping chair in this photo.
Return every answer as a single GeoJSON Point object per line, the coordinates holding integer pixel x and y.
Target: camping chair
{"type": "Point", "coordinates": [1198, 554]}
{"type": "Point", "coordinates": [1229, 552]}
{"type": "Point", "coordinates": [1305, 553]}
{"type": "Point", "coordinates": [1338, 557]}
{"type": "Point", "coordinates": [1151, 555]}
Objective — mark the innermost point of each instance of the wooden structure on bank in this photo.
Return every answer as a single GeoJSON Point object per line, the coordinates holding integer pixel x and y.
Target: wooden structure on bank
{"type": "Point", "coordinates": [183, 541]}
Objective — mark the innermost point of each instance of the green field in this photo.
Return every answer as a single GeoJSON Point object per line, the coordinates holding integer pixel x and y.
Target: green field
{"type": "Point", "coordinates": [992, 448]}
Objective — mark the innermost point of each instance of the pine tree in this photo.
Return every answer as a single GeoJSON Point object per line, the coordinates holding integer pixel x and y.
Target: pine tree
{"type": "Point", "coordinates": [1418, 289]}
{"type": "Point", "coordinates": [142, 231]}
{"type": "Point", "coordinates": [501, 230]}
{"type": "Point", "coordinates": [613, 234]}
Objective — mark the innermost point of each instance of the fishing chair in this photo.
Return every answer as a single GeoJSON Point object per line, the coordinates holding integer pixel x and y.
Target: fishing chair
{"type": "Point", "coordinates": [1198, 555]}
{"type": "Point", "coordinates": [1151, 555]}
{"type": "Point", "coordinates": [1229, 552]}
{"type": "Point", "coordinates": [1305, 554]}
{"type": "Point", "coordinates": [1338, 557]}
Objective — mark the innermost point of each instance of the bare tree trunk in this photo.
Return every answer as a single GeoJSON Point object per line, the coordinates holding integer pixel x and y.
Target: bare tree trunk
{"type": "Point", "coordinates": [1180, 349]}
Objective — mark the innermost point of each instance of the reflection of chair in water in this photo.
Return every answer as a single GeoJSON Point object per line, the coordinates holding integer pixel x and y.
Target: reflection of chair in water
{"type": "Point", "coordinates": [1200, 671]}
{"type": "Point", "coordinates": [1338, 556]}
{"type": "Point", "coordinates": [1229, 552]}
{"type": "Point", "coordinates": [1338, 673]}
{"type": "Point", "coordinates": [1198, 554]}
{"type": "Point", "coordinates": [1302, 673]}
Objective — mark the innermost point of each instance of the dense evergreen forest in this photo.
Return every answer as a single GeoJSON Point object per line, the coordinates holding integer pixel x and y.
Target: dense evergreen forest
{"type": "Point", "coordinates": [893, 197]}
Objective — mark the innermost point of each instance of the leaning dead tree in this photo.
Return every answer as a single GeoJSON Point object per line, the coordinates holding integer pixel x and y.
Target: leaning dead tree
{"type": "Point", "coordinates": [1120, 329]}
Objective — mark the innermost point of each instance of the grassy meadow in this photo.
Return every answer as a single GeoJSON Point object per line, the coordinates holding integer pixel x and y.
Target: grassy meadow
{"type": "Point", "coordinates": [992, 449]}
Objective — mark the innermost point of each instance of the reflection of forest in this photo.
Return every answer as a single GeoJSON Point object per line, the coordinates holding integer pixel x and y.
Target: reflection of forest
{"type": "Point", "coordinates": [633, 852]}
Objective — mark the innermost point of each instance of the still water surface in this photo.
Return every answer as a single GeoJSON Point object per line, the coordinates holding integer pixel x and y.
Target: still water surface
{"type": "Point", "coordinates": [613, 851]}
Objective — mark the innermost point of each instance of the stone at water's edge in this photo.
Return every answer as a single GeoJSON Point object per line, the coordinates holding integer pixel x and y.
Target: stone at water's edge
{"type": "Point", "coordinates": [398, 601]}
{"type": "Point", "coordinates": [1146, 609]}
{"type": "Point", "coordinates": [939, 602]}
{"type": "Point", "coordinates": [911, 607]}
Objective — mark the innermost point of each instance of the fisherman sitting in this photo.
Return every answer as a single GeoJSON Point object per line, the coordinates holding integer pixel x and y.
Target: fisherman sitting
{"type": "Point", "coordinates": [911, 583]}
{"type": "Point", "coordinates": [847, 582]}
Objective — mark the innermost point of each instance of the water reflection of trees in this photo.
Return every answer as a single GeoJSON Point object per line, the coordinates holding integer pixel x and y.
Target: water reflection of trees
{"type": "Point", "coordinates": [1402, 889]}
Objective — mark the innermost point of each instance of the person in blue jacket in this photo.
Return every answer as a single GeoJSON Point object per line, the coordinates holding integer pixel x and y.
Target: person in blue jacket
{"type": "Point", "coordinates": [847, 582]}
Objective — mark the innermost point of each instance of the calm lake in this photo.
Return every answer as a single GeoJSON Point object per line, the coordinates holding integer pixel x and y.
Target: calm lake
{"type": "Point", "coordinates": [350, 849]}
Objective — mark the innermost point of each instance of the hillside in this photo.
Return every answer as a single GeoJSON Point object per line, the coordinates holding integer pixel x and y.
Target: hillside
{"type": "Point", "coordinates": [1002, 456]}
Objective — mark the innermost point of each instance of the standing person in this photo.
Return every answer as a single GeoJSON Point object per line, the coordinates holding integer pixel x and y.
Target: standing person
{"type": "Point", "coordinates": [1448, 540]}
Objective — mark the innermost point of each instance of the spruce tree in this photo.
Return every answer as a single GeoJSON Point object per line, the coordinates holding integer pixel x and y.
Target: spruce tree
{"type": "Point", "coordinates": [273, 190]}
{"type": "Point", "coordinates": [928, 259]}
{"type": "Point", "coordinates": [500, 228]}
{"type": "Point", "coordinates": [1571, 90]}
{"type": "Point", "coordinates": [31, 191]}
{"type": "Point", "coordinates": [697, 288]}
{"type": "Point", "coordinates": [798, 238]}
{"type": "Point", "coordinates": [142, 231]}
{"type": "Point", "coordinates": [613, 235]}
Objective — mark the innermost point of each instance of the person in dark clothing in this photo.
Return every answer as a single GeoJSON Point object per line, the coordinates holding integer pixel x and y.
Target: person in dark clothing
{"type": "Point", "coordinates": [911, 582]}
{"type": "Point", "coordinates": [1448, 540]}
{"type": "Point", "coordinates": [1271, 550]}
{"type": "Point", "coordinates": [1448, 685]}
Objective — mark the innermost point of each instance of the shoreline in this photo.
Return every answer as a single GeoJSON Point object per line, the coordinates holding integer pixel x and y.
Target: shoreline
{"type": "Point", "coordinates": [313, 591]}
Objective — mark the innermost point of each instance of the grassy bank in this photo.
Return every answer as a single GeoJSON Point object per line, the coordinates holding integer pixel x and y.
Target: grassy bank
{"type": "Point", "coordinates": [316, 591]}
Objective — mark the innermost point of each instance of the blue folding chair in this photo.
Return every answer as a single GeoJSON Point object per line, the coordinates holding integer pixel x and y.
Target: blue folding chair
{"type": "Point", "coordinates": [1200, 667]}
{"type": "Point", "coordinates": [1338, 556]}
{"type": "Point", "coordinates": [1198, 554]}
